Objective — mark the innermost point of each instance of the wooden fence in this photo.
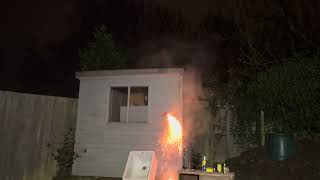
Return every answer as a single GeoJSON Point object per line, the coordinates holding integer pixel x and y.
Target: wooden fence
{"type": "Point", "coordinates": [31, 127]}
{"type": "Point", "coordinates": [210, 132]}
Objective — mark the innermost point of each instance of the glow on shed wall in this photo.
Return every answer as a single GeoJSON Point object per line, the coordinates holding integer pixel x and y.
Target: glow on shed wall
{"type": "Point", "coordinates": [108, 144]}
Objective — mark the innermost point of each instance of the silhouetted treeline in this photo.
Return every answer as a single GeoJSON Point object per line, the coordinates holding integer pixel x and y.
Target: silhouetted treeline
{"type": "Point", "coordinates": [41, 40]}
{"type": "Point", "coordinates": [259, 33]}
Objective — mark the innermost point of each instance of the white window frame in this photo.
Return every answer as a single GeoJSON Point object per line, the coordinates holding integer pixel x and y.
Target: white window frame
{"type": "Point", "coordinates": [128, 103]}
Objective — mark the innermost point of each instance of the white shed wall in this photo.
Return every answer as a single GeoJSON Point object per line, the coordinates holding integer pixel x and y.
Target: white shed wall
{"type": "Point", "coordinates": [108, 143]}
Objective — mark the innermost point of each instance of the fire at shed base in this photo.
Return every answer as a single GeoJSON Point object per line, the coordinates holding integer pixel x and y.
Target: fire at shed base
{"type": "Point", "coordinates": [171, 148]}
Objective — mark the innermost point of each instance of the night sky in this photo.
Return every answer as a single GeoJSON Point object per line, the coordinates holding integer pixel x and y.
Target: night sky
{"type": "Point", "coordinates": [39, 44]}
{"type": "Point", "coordinates": [40, 39]}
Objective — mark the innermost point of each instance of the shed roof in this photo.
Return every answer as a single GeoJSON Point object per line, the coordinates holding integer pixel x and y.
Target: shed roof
{"type": "Point", "coordinates": [104, 73]}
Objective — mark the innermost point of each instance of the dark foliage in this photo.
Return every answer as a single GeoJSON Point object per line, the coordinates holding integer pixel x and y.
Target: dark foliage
{"type": "Point", "coordinates": [288, 94]}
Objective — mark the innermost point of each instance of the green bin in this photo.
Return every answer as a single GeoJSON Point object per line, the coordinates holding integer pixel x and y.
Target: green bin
{"type": "Point", "coordinates": [281, 146]}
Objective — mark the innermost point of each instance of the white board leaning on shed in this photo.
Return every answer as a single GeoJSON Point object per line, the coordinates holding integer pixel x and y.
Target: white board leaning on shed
{"type": "Point", "coordinates": [121, 111]}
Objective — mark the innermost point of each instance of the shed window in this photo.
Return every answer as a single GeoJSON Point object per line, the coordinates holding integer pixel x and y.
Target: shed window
{"type": "Point", "coordinates": [132, 109]}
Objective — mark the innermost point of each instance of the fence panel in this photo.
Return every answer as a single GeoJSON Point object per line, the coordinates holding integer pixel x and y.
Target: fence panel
{"type": "Point", "coordinates": [31, 126]}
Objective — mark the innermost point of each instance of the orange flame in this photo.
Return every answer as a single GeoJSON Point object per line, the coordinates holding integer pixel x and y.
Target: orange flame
{"type": "Point", "coordinates": [171, 143]}
{"type": "Point", "coordinates": [175, 130]}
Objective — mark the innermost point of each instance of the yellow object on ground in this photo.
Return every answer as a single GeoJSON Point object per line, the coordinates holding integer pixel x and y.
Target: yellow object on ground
{"type": "Point", "coordinates": [209, 169]}
{"type": "Point", "coordinates": [219, 168]}
{"type": "Point", "coordinates": [204, 162]}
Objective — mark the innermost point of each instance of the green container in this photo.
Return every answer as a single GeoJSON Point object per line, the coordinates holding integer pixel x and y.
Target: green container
{"type": "Point", "coordinates": [281, 146]}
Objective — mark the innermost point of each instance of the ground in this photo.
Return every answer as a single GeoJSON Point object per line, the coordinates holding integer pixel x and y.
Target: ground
{"type": "Point", "coordinates": [85, 178]}
{"type": "Point", "coordinates": [255, 164]}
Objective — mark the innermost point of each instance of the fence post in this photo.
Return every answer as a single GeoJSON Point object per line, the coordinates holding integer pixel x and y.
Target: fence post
{"type": "Point", "coordinates": [262, 133]}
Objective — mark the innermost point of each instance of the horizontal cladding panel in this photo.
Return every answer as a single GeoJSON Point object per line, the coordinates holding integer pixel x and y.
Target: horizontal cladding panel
{"type": "Point", "coordinates": [110, 127]}
{"type": "Point", "coordinates": [137, 132]}
{"type": "Point", "coordinates": [134, 147]}
{"type": "Point", "coordinates": [125, 145]}
{"type": "Point", "coordinates": [152, 139]}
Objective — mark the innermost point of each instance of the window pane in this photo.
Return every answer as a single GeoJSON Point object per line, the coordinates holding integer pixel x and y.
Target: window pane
{"type": "Point", "coordinates": [138, 109]}
{"type": "Point", "coordinates": [138, 96]}
{"type": "Point", "coordinates": [118, 104]}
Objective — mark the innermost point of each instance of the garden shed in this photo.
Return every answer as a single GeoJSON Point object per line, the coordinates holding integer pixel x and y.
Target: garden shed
{"type": "Point", "coordinates": [121, 111]}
